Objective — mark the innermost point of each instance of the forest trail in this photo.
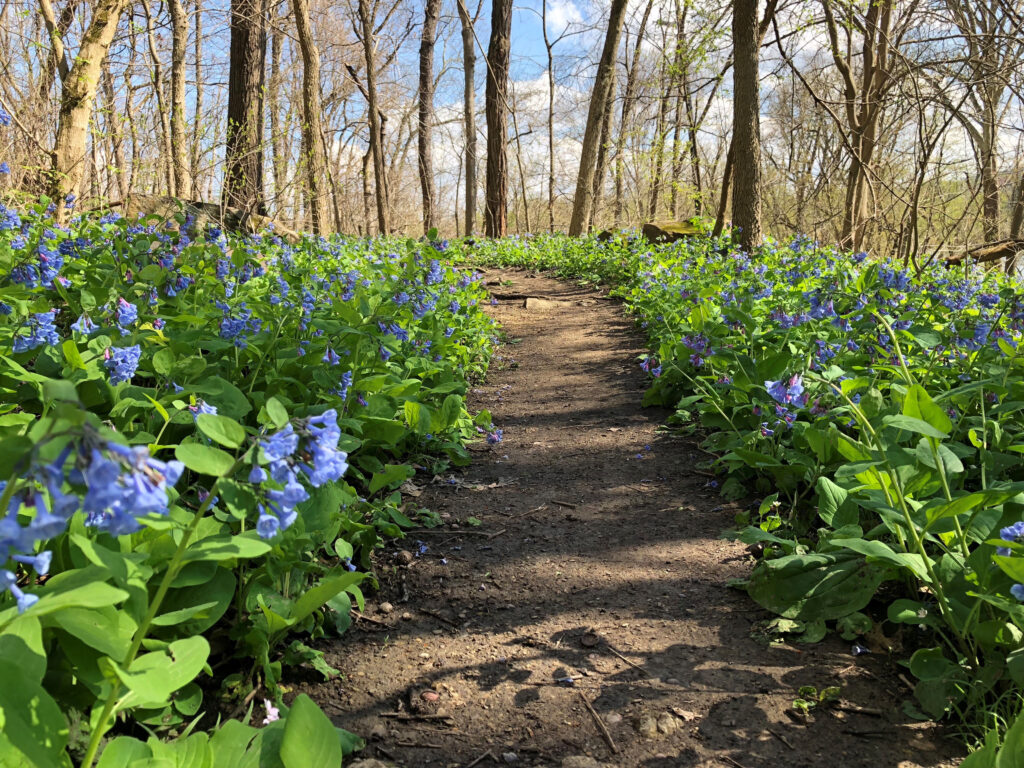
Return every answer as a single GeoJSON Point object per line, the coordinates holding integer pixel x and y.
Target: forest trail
{"type": "Point", "coordinates": [597, 557]}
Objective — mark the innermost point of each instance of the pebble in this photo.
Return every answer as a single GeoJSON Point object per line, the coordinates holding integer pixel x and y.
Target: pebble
{"type": "Point", "coordinates": [510, 757]}
{"type": "Point", "coordinates": [667, 723]}
{"type": "Point", "coordinates": [386, 607]}
{"type": "Point", "coordinates": [430, 696]}
{"type": "Point", "coordinates": [647, 727]}
{"type": "Point", "coordinates": [369, 764]}
{"type": "Point", "coordinates": [379, 731]}
{"type": "Point", "coordinates": [613, 718]}
{"type": "Point", "coordinates": [406, 616]}
{"type": "Point", "coordinates": [580, 761]}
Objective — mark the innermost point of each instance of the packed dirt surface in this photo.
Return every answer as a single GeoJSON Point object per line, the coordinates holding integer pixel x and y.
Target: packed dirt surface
{"type": "Point", "coordinates": [574, 610]}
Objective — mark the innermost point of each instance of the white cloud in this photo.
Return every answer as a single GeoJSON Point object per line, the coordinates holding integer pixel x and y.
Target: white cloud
{"type": "Point", "coordinates": [561, 14]}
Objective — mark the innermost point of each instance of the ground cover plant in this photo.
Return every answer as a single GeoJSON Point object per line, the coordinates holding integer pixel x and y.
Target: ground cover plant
{"type": "Point", "coordinates": [201, 439]}
{"type": "Point", "coordinates": [876, 413]}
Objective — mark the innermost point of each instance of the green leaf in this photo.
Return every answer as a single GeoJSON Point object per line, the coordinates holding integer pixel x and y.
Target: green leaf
{"type": "Point", "coordinates": [310, 738]}
{"type": "Point", "coordinates": [124, 752]}
{"type": "Point", "coordinates": [314, 598]}
{"type": "Point", "coordinates": [153, 677]}
{"type": "Point", "coordinates": [918, 404]}
{"type": "Point", "coordinates": [205, 459]}
{"type": "Point", "coordinates": [277, 412]}
{"type": "Point", "coordinates": [1011, 755]}
{"type": "Point", "coordinates": [72, 355]}
{"type": "Point", "coordinates": [816, 586]}
{"type": "Point", "coordinates": [878, 551]}
{"type": "Point", "coordinates": [227, 547]}
{"type": "Point", "coordinates": [392, 474]}
{"type": "Point", "coordinates": [236, 745]}
{"type": "Point", "coordinates": [834, 507]}
{"type": "Point", "coordinates": [31, 719]}
{"type": "Point", "coordinates": [221, 429]}
{"type": "Point", "coordinates": [913, 424]}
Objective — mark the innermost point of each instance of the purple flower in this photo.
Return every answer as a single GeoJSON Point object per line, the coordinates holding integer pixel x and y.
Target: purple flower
{"type": "Point", "coordinates": [1017, 590]}
{"type": "Point", "coordinates": [5, 119]}
{"type": "Point", "coordinates": [4, 167]}
{"type": "Point", "coordinates": [84, 324]}
{"type": "Point", "coordinates": [126, 313]}
{"type": "Point", "coordinates": [122, 362]}
{"type": "Point", "coordinates": [786, 392]}
{"type": "Point", "coordinates": [1011, 533]}
{"type": "Point", "coordinates": [9, 583]}
{"type": "Point", "coordinates": [41, 331]}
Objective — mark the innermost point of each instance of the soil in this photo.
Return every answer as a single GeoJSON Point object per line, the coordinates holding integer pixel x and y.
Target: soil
{"type": "Point", "coordinates": [581, 578]}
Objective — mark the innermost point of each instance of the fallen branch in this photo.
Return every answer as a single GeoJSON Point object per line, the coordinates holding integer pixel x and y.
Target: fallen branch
{"type": "Point", "coordinates": [480, 759]}
{"type": "Point", "coordinates": [634, 666]}
{"type": "Point", "coordinates": [599, 723]}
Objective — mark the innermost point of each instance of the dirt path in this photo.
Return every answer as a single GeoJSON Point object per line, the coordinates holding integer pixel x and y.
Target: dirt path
{"type": "Point", "coordinates": [597, 559]}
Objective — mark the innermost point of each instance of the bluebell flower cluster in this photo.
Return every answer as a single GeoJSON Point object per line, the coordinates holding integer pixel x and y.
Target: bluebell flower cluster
{"type": "Point", "coordinates": [39, 330]}
{"type": "Point", "coordinates": [122, 362]}
{"type": "Point", "coordinates": [317, 458]}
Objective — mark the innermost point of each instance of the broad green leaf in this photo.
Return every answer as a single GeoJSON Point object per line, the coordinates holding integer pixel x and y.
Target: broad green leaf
{"type": "Point", "coordinates": [918, 404]}
{"type": "Point", "coordinates": [310, 738]}
{"type": "Point", "coordinates": [205, 459]}
{"type": "Point", "coordinates": [153, 677]}
{"type": "Point", "coordinates": [913, 424]}
{"type": "Point", "coordinates": [879, 551]}
{"type": "Point", "coordinates": [314, 598]}
{"type": "Point", "coordinates": [32, 721]}
{"type": "Point", "coordinates": [277, 412]}
{"type": "Point", "coordinates": [392, 474]}
{"type": "Point", "coordinates": [817, 586]}
{"type": "Point", "coordinates": [227, 547]}
{"type": "Point", "coordinates": [221, 429]}
{"type": "Point", "coordinates": [124, 752]}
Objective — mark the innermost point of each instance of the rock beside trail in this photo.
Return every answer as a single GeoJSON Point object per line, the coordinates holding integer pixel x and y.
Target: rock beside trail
{"type": "Point", "coordinates": [202, 214]}
{"type": "Point", "coordinates": [669, 231]}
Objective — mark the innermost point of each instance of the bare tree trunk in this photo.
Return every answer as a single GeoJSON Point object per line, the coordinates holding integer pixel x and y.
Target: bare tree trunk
{"type": "Point", "coordinates": [278, 150]}
{"type": "Point", "coordinates": [243, 177]}
{"type": "Point", "coordinates": [313, 150]}
{"type": "Point", "coordinates": [56, 62]}
{"type": "Point", "coordinates": [628, 99]}
{"type": "Point", "coordinates": [366, 191]}
{"type": "Point", "coordinates": [496, 104]}
{"type": "Point", "coordinates": [602, 154]}
{"type": "Point", "coordinates": [376, 130]}
{"type": "Point", "coordinates": [584, 198]}
{"type": "Point", "coordinates": [431, 13]}
{"type": "Point", "coordinates": [197, 125]}
{"type": "Point", "coordinates": [114, 132]}
{"type": "Point", "coordinates": [548, 46]}
{"type": "Point", "coordinates": [79, 93]}
{"type": "Point", "coordinates": [179, 144]}
{"type": "Point", "coordinates": [469, 113]}
{"type": "Point", "coordinates": [157, 79]}
{"type": "Point", "coordinates": [658, 150]}
{"type": "Point", "coordinates": [746, 195]}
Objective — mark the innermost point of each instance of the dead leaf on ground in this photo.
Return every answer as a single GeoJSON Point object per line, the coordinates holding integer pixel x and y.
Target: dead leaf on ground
{"type": "Point", "coordinates": [684, 714]}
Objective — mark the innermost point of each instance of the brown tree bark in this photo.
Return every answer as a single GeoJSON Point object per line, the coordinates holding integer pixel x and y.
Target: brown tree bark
{"type": "Point", "coordinates": [602, 155]}
{"type": "Point", "coordinates": [628, 100]}
{"type": "Point", "coordinates": [584, 197]}
{"type": "Point", "coordinates": [197, 118]}
{"type": "Point", "coordinates": [179, 144]}
{"type": "Point", "coordinates": [376, 130]}
{"type": "Point", "coordinates": [157, 81]}
{"type": "Point", "coordinates": [496, 105]}
{"type": "Point", "coordinates": [314, 153]}
{"type": "Point", "coordinates": [278, 150]}
{"type": "Point", "coordinates": [431, 14]}
{"type": "Point", "coordinates": [746, 194]}
{"type": "Point", "coordinates": [243, 176]}
{"type": "Point", "coordinates": [79, 92]}
{"type": "Point", "coordinates": [469, 113]}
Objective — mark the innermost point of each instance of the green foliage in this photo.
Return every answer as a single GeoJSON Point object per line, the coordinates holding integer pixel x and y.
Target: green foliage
{"type": "Point", "coordinates": [201, 439]}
